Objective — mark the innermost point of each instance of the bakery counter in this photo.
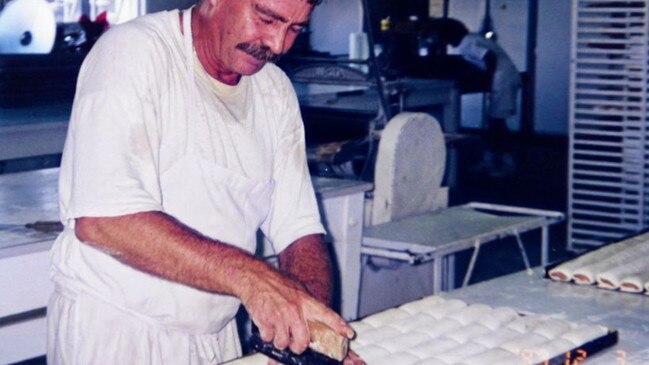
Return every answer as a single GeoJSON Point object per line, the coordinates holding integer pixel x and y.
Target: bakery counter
{"type": "Point", "coordinates": [625, 312]}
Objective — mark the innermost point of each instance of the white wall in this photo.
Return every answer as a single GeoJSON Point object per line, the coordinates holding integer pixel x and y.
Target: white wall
{"type": "Point", "coordinates": [331, 23]}
{"type": "Point", "coordinates": [552, 67]}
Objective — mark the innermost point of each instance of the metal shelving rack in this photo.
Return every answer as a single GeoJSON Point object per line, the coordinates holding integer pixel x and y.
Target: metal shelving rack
{"type": "Point", "coordinates": [607, 187]}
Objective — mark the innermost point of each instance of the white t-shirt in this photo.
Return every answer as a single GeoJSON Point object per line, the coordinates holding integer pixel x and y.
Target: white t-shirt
{"type": "Point", "coordinates": [133, 121]}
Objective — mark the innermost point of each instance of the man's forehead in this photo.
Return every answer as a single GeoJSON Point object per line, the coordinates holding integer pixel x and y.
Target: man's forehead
{"type": "Point", "coordinates": [292, 11]}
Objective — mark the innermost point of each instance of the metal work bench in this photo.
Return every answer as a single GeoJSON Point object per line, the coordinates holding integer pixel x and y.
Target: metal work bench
{"type": "Point", "coordinates": [438, 235]}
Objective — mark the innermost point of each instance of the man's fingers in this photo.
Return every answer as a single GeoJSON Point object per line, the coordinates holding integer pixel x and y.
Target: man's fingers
{"type": "Point", "coordinates": [334, 321]}
{"type": "Point", "coordinates": [282, 338]}
{"type": "Point", "coordinates": [300, 337]}
{"type": "Point", "coordinates": [267, 333]}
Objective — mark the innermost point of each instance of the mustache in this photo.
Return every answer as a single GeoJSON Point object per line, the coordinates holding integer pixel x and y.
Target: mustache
{"type": "Point", "coordinates": [262, 53]}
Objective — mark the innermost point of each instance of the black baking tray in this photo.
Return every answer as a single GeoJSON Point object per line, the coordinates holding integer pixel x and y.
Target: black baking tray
{"type": "Point", "coordinates": [583, 352]}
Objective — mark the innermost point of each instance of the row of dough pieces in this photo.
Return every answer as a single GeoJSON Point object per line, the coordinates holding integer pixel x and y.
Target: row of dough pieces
{"type": "Point", "coordinates": [622, 265]}
{"type": "Point", "coordinates": [435, 331]}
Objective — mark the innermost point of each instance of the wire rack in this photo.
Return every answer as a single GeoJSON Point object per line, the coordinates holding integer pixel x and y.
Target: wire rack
{"type": "Point", "coordinates": [607, 184]}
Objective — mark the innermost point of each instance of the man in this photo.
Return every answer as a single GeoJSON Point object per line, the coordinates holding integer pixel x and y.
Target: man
{"type": "Point", "coordinates": [182, 142]}
{"type": "Point", "coordinates": [505, 82]}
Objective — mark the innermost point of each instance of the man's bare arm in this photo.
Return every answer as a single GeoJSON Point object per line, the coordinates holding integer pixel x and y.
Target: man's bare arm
{"type": "Point", "coordinates": [307, 261]}
{"type": "Point", "coordinates": [158, 244]}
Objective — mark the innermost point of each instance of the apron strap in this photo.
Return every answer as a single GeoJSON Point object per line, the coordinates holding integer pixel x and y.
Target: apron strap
{"type": "Point", "coordinates": [191, 78]}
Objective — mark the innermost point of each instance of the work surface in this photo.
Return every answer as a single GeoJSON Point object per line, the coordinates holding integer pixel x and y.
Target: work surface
{"type": "Point", "coordinates": [626, 313]}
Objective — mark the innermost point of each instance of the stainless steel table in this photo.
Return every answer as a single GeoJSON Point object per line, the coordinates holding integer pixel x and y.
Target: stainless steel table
{"type": "Point", "coordinates": [437, 236]}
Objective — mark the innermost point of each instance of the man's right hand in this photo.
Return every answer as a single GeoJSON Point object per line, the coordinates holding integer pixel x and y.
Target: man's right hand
{"type": "Point", "coordinates": [281, 307]}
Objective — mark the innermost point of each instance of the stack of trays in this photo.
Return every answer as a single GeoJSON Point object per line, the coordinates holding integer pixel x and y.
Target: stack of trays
{"type": "Point", "coordinates": [617, 266]}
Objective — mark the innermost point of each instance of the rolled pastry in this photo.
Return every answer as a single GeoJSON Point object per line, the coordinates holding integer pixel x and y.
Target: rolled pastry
{"type": "Point", "coordinates": [636, 283]}
{"type": "Point", "coordinates": [612, 279]}
{"type": "Point", "coordinates": [586, 274]}
{"type": "Point", "coordinates": [565, 271]}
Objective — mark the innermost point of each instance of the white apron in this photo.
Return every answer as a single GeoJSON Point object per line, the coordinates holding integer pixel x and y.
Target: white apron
{"type": "Point", "coordinates": [107, 317]}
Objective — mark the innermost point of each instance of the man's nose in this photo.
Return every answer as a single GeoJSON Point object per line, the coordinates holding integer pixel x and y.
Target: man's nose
{"type": "Point", "coordinates": [276, 41]}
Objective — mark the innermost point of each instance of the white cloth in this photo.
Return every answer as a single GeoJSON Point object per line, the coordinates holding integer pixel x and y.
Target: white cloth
{"type": "Point", "coordinates": [506, 79]}
{"type": "Point", "coordinates": [147, 135]}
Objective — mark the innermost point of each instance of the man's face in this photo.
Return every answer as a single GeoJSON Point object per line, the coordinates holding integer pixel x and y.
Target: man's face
{"type": "Point", "coordinates": [245, 34]}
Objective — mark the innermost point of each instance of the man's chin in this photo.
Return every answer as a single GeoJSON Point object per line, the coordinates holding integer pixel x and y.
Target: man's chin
{"type": "Point", "coordinates": [252, 68]}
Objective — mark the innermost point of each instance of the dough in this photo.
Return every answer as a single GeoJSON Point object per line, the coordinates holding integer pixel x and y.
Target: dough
{"type": "Point", "coordinates": [403, 341]}
{"type": "Point", "coordinates": [418, 306]}
{"type": "Point", "coordinates": [470, 314]}
{"type": "Point", "coordinates": [413, 322]}
{"type": "Point", "coordinates": [461, 352]}
{"type": "Point", "coordinates": [440, 327]}
{"type": "Point", "coordinates": [553, 328]}
{"type": "Point", "coordinates": [497, 317]}
{"type": "Point", "coordinates": [399, 358]}
{"type": "Point", "coordinates": [584, 334]}
{"type": "Point", "coordinates": [467, 333]}
{"type": "Point", "coordinates": [551, 349]}
{"type": "Point", "coordinates": [434, 347]}
{"type": "Point", "coordinates": [497, 337]}
{"type": "Point", "coordinates": [494, 356]}
{"type": "Point", "coordinates": [441, 310]}
{"type": "Point", "coordinates": [524, 343]}
{"type": "Point", "coordinates": [376, 335]}
{"type": "Point", "coordinates": [371, 352]}
{"type": "Point", "coordinates": [385, 317]}
{"type": "Point", "coordinates": [524, 324]}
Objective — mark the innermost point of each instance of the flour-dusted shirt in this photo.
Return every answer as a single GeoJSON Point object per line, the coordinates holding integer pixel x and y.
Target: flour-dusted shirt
{"type": "Point", "coordinates": [144, 137]}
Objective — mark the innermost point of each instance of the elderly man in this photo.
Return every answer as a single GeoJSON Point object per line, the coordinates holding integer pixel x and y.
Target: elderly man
{"type": "Point", "coordinates": [183, 142]}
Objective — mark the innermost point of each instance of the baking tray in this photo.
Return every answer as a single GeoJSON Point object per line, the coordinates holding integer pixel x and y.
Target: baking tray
{"type": "Point", "coordinates": [583, 352]}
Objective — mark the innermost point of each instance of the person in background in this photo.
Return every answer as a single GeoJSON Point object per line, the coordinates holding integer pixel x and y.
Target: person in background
{"type": "Point", "coordinates": [184, 140]}
{"type": "Point", "coordinates": [504, 84]}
